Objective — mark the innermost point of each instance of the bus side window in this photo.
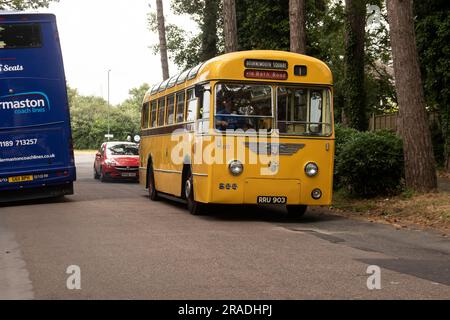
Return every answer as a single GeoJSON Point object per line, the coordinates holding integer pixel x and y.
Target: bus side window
{"type": "Point", "coordinates": [316, 112]}
{"type": "Point", "coordinates": [145, 115]}
{"type": "Point", "coordinates": [170, 110]}
{"type": "Point", "coordinates": [205, 103]}
{"type": "Point", "coordinates": [154, 112]}
{"type": "Point", "coordinates": [191, 109]}
{"type": "Point", "coordinates": [180, 107]}
{"type": "Point", "coordinates": [161, 110]}
{"type": "Point", "coordinates": [204, 107]}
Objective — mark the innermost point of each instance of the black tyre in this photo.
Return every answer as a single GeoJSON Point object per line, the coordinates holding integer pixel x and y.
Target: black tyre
{"type": "Point", "coordinates": [194, 207]}
{"type": "Point", "coordinates": [152, 192]}
{"type": "Point", "coordinates": [296, 211]}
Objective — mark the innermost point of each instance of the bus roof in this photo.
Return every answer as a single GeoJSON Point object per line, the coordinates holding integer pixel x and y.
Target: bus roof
{"type": "Point", "coordinates": [231, 66]}
{"type": "Point", "coordinates": [20, 16]}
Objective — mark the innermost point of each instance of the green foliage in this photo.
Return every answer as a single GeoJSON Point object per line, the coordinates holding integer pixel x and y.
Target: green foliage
{"type": "Point", "coordinates": [89, 118]}
{"type": "Point", "coordinates": [24, 4]}
{"type": "Point", "coordinates": [263, 24]}
{"type": "Point", "coordinates": [433, 43]}
{"type": "Point", "coordinates": [438, 144]}
{"type": "Point", "coordinates": [185, 48]}
{"type": "Point", "coordinates": [368, 164]}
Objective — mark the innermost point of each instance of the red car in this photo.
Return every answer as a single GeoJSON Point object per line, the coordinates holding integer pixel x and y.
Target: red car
{"type": "Point", "coordinates": [117, 160]}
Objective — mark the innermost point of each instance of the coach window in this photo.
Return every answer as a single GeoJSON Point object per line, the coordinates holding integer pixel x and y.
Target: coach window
{"type": "Point", "coordinates": [170, 110]}
{"type": "Point", "coordinates": [145, 115]}
{"type": "Point", "coordinates": [180, 107]}
{"type": "Point", "coordinates": [154, 112]}
{"type": "Point", "coordinates": [191, 106]}
{"type": "Point", "coordinates": [204, 109]}
{"type": "Point", "coordinates": [161, 110]}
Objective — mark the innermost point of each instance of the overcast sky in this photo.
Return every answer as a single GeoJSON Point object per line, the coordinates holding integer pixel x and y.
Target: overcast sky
{"type": "Point", "coordinates": [97, 35]}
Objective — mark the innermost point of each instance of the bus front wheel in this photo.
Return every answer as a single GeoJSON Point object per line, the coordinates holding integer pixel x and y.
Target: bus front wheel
{"type": "Point", "coordinates": [194, 207]}
{"type": "Point", "coordinates": [296, 211]}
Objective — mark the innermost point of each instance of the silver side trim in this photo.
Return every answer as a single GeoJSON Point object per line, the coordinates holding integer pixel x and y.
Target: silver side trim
{"type": "Point", "coordinates": [284, 149]}
{"type": "Point", "coordinates": [167, 171]}
{"type": "Point", "coordinates": [200, 174]}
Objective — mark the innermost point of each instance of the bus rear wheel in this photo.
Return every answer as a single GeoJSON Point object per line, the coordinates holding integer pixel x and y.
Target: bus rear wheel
{"type": "Point", "coordinates": [152, 193]}
{"type": "Point", "coordinates": [296, 211]}
{"type": "Point", "coordinates": [194, 207]}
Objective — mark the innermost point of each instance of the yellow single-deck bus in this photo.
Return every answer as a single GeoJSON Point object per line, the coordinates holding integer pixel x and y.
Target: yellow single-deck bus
{"type": "Point", "coordinates": [251, 127]}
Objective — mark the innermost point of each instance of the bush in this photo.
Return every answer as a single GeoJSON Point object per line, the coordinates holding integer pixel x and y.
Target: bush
{"type": "Point", "coordinates": [368, 164]}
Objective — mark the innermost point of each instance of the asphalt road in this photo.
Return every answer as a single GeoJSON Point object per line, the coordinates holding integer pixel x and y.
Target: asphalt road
{"type": "Point", "coordinates": [128, 247]}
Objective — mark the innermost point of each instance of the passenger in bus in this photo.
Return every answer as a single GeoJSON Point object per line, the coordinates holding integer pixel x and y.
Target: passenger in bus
{"type": "Point", "coordinates": [224, 122]}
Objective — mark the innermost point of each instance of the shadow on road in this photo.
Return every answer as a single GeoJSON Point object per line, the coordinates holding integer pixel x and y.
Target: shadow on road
{"type": "Point", "coordinates": [248, 213]}
{"type": "Point", "coordinates": [35, 202]}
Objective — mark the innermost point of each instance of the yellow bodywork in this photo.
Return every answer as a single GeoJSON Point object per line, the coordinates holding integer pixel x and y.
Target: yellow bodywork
{"type": "Point", "coordinates": [288, 179]}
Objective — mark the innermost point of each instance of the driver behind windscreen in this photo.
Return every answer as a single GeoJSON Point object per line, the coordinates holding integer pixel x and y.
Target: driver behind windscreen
{"type": "Point", "coordinates": [227, 107]}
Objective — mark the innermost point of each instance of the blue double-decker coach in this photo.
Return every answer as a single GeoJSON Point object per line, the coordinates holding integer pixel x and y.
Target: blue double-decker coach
{"type": "Point", "coordinates": [36, 153]}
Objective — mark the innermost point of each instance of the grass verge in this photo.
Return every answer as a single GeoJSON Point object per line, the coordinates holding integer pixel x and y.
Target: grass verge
{"type": "Point", "coordinates": [430, 210]}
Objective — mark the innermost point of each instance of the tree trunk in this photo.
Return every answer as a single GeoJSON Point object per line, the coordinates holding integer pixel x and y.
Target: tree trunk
{"type": "Point", "coordinates": [230, 25]}
{"type": "Point", "coordinates": [209, 30]}
{"type": "Point", "coordinates": [355, 96]}
{"type": "Point", "coordinates": [297, 22]}
{"type": "Point", "coordinates": [162, 39]}
{"type": "Point", "coordinates": [420, 171]}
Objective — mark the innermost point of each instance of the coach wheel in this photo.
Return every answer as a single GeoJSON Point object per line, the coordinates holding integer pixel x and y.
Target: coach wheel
{"type": "Point", "coordinates": [194, 207]}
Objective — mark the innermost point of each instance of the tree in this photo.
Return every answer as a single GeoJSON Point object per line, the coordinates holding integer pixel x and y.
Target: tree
{"type": "Point", "coordinates": [89, 123]}
{"type": "Point", "coordinates": [230, 25]}
{"type": "Point", "coordinates": [432, 31]}
{"type": "Point", "coordinates": [209, 30]}
{"type": "Point", "coordinates": [187, 49]}
{"type": "Point", "coordinates": [420, 168]}
{"type": "Point", "coordinates": [355, 97]}
{"type": "Point", "coordinates": [297, 21]}
{"type": "Point", "coordinates": [24, 4]}
{"type": "Point", "coordinates": [162, 39]}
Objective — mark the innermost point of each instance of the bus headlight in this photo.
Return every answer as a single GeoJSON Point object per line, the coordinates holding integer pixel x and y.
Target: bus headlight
{"type": "Point", "coordinates": [311, 169]}
{"type": "Point", "coordinates": [236, 168]}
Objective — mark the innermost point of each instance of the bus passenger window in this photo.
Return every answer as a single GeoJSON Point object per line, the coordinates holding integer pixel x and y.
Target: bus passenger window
{"type": "Point", "coordinates": [302, 110]}
{"type": "Point", "coordinates": [316, 111]}
{"type": "Point", "coordinates": [161, 109]}
{"type": "Point", "coordinates": [191, 106]}
{"type": "Point", "coordinates": [204, 109]}
{"type": "Point", "coordinates": [154, 108]}
{"type": "Point", "coordinates": [170, 110]}
{"type": "Point", "coordinates": [205, 103]}
{"type": "Point", "coordinates": [145, 115]}
{"type": "Point", "coordinates": [180, 107]}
